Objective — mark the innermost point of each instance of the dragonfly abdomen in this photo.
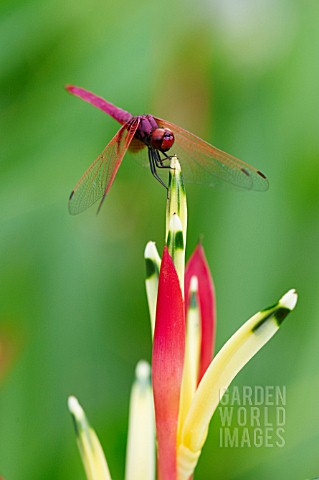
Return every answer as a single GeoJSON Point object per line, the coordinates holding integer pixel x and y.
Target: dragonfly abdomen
{"type": "Point", "coordinates": [120, 115]}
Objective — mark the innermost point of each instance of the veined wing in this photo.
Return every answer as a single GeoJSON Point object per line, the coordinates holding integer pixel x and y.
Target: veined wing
{"type": "Point", "coordinates": [98, 179]}
{"type": "Point", "coordinates": [203, 163]}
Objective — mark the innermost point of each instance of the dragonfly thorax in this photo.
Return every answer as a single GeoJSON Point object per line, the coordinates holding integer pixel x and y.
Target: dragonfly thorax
{"type": "Point", "coordinates": [162, 139]}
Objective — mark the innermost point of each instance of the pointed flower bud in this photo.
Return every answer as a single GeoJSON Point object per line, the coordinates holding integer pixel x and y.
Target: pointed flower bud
{"type": "Point", "coordinates": [192, 352]}
{"type": "Point", "coordinates": [197, 266]}
{"type": "Point", "coordinates": [91, 452]}
{"type": "Point", "coordinates": [176, 200]}
{"type": "Point", "coordinates": [176, 247]}
{"type": "Point", "coordinates": [153, 265]}
{"type": "Point", "coordinates": [140, 454]}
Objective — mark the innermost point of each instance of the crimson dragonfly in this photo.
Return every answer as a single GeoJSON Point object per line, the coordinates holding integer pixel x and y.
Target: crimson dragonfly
{"type": "Point", "coordinates": [201, 162]}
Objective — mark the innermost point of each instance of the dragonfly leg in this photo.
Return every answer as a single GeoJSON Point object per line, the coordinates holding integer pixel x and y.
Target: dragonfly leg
{"type": "Point", "coordinates": [159, 161]}
{"type": "Point", "coordinates": [167, 157]}
{"type": "Point", "coordinates": [153, 165]}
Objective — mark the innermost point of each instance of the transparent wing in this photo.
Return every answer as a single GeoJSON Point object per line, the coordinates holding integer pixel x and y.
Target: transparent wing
{"type": "Point", "coordinates": [203, 163]}
{"type": "Point", "coordinates": [138, 152]}
{"type": "Point", "coordinates": [98, 179]}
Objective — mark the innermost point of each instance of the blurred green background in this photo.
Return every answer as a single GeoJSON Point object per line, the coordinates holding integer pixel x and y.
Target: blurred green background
{"type": "Point", "coordinates": [244, 75]}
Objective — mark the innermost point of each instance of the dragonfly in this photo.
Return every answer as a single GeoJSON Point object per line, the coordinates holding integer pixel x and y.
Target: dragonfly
{"type": "Point", "coordinates": [201, 162]}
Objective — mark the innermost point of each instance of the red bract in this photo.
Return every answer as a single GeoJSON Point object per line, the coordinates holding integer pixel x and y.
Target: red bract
{"type": "Point", "coordinates": [167, 365]}
{"type": "Point", "coordinates": [197, 265]}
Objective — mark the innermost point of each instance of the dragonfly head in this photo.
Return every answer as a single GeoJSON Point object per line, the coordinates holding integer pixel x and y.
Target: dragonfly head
{"type": "Point", "coordinates": [162, 139]}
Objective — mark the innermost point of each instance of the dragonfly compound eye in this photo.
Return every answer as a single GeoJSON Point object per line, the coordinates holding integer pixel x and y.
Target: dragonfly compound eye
{"type": "Point", "coordinates": [162, 139]}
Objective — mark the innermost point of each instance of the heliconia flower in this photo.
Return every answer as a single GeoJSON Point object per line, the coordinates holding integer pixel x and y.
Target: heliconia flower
{"type": "Point", "coordinates": [181, 431]}
{"type": "Point", "coordinates": [202, 401]}
{"type": "Point", "coordinates": [187, 381]}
